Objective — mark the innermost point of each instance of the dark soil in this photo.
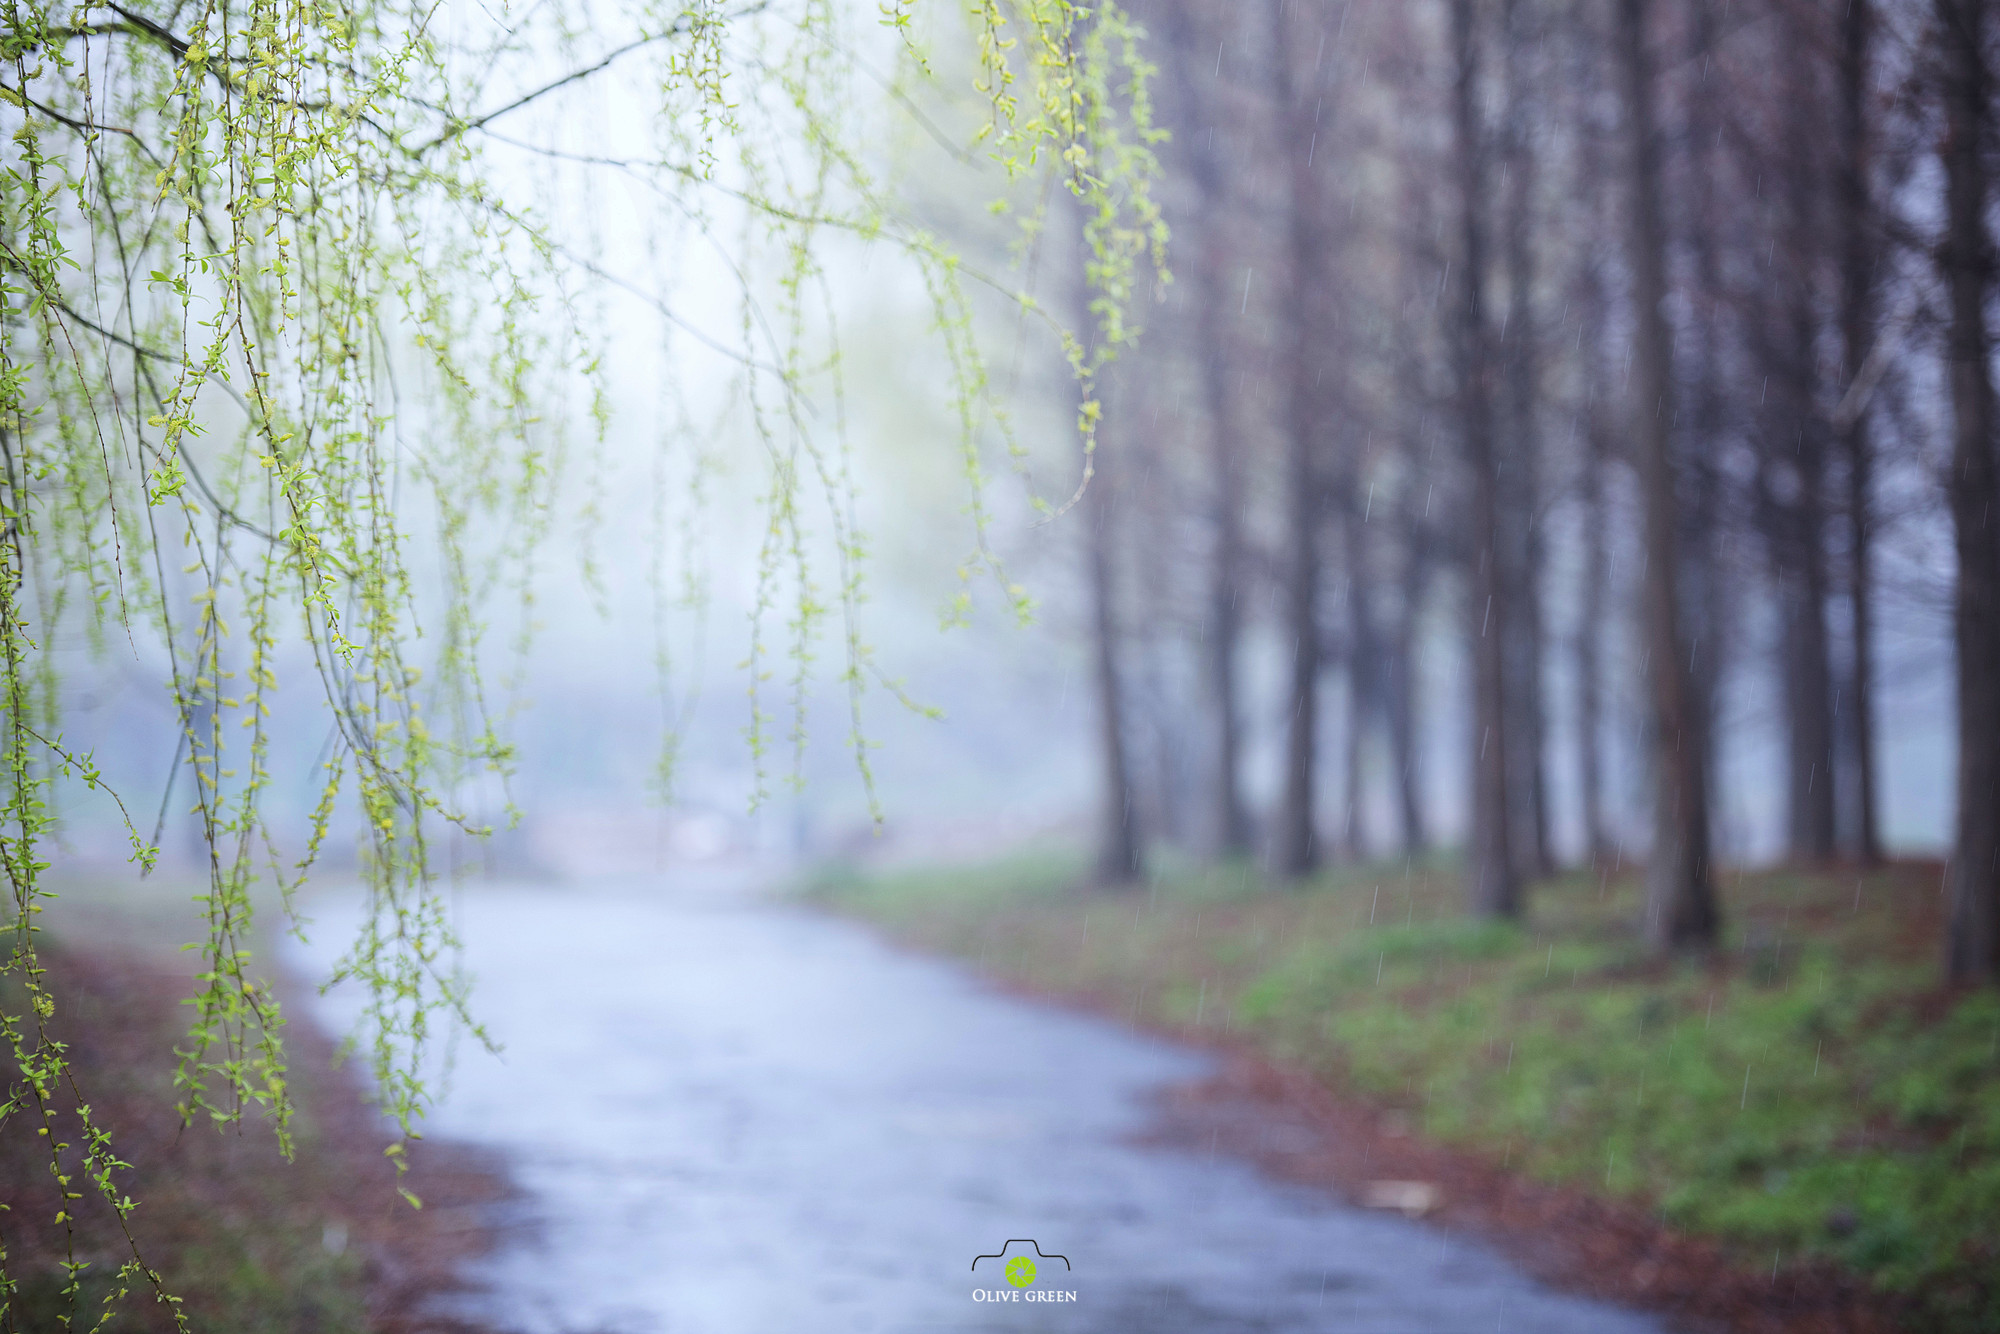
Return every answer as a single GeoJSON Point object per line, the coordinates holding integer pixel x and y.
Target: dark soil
{"type": "Point", "coordinates": [247, 1240]}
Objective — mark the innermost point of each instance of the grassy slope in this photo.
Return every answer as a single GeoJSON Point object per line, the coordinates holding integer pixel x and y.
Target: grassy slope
{"type": "Point", "coordinates": [1808, 1089]}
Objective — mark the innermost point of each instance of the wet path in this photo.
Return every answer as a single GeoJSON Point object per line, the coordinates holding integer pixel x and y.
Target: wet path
{"type": "Point", "coordinates": [732, 1117]}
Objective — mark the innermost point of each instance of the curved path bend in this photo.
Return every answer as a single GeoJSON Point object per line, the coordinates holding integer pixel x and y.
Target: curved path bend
{"type": "Point", "coordinates": [731, 1116]}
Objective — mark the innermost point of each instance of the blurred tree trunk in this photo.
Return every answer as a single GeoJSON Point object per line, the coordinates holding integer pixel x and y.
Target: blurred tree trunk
{"type": "Point", "coordinates": [1520, 480]}
{"type": "Point", "coordinates": [1680, 900]}
{"type": "Point", "coordinates": [1703, 601]}
{"type": "Point", "coordinates": [1589, 647]}
{"type": "Point", "coordinates": [1600, 600]}
{"type": "Point", "coordinates": [1399, 697]}
{"type": "Point", "coordinates": [1806, 662]}
{"type": "Point", "coordinates": [1364, 653]}
{"type": "Point", "coordinates": [1195, 132]}
{"type": "Point", "coordinates": [1807, 668]}
{"type": "Point", "coordinates": [1809, 674]}
{"type": "Point", "coordinates": [1225, 622]}
{"type": "Point", "coordinates": [1120, 858]}
{"type": "Point", "coordinates": [1492, 883]}
{"type": "Point", "coordinates": [1973, 940]}
{"type": "Point", "coordinates": [1120, 855]}
{"type": "Point", "coordinates": [1296, 851]}
{"type": "Point", "coordinates": [1857, 292]}
{"type": "Point", "coordinates": [1415, 496]}
{"type": "Point", "coordinates": [1790, 489]}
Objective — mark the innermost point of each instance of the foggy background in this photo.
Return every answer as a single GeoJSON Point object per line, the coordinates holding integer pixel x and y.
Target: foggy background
{"type": "Point", "coordinates": [1014, 753]}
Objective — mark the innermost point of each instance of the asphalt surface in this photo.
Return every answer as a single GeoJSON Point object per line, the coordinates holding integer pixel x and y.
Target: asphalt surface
{"type": "Point", "coordinates": [732, 1116]}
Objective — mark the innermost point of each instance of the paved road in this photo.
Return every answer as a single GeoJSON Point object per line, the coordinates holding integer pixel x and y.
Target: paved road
{"type": "Point", "coordinates": [735, 1117]}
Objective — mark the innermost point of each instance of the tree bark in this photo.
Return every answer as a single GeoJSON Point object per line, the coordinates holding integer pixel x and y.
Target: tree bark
{"type": "Point", "coordinates": [1492, 883]}
{"type": "Point", "coordinates": [1972, 947]}
{"type": "Point", "coordinates": [1680, 899]}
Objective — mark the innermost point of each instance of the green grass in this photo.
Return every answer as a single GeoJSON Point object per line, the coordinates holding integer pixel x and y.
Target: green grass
{"type": "Point", "coordinates": [1809, 1089]}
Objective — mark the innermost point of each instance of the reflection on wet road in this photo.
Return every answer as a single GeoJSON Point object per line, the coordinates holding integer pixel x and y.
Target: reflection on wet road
{"type": "Point", "coordinates": [729, 1116]}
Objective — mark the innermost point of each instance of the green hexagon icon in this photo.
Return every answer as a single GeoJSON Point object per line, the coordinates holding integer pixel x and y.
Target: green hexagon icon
{"type": "Point", "coordinates": [1020, 1271]}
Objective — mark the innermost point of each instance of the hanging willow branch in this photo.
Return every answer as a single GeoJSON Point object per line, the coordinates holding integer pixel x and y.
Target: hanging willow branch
{"type": "Point", "coordinates": [227, 227]}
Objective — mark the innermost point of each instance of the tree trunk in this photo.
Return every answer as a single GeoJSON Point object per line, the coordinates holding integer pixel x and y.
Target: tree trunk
{"type": "Point", "coordinates": [1972, 952]}
{"type": "Point", "coordinates": [1491, 880]}
{"type": "Point", "coordinates": [1399, 688]}
{"type": "Point", "coordinates": [1680, 901]}
{"type": "Point", "coordinates": [1120, 859]}
{"type": "Point", "coordinates": [1364, 657]}
{"type": "Point", "coordinates": [1296, 852]}
{"type": "Point", "coordinates": [1703, 599]}
{"type": "Point", "coordinates": [1809, 678]}
{"type": "Point", "coordinates": [1416, 552]}
{"type": "Point", "coordinates": [1530, 735]}
{"type": "Point", "coordinates": [1857, 262]}
{"type": "Point", "coordinates": [1589, 658]}
{"type": "Point", "coordinates": [1229, 819]}
{"type": "Point", "coordinates": [1120, 856]}
{"type": "Point", "coordinates": [1520, 479]}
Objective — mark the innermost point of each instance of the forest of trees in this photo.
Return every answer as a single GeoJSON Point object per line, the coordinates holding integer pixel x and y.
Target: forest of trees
{"type": "Point", "coordinates": [1615, 342]}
